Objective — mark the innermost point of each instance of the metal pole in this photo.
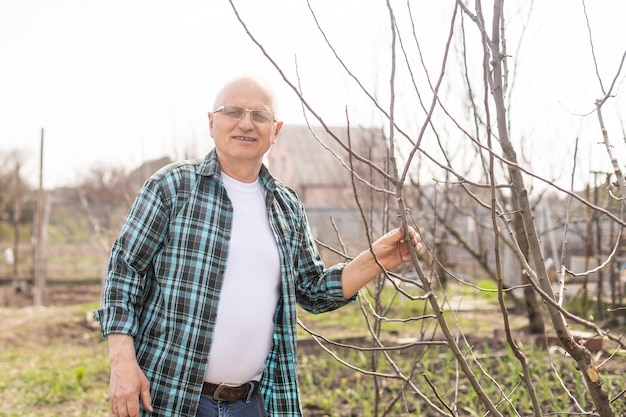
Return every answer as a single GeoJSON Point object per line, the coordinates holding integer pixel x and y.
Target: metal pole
{"type": "Point", "coordinates": [39, 261]}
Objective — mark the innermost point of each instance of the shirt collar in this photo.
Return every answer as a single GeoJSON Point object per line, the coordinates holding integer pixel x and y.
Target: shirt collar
{"type": "Point", "coordinates": [210, 167]}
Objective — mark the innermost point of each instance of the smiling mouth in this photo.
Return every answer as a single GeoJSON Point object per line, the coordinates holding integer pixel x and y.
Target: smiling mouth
{"type": "Point", "coordinates": [244, 138]}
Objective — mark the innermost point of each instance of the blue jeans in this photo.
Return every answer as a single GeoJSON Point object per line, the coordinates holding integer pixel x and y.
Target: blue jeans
{"type": "Point", "coordinates": [209, 407]}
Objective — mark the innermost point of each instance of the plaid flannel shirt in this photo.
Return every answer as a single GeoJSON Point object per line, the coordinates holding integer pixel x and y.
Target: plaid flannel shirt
{"type": "Point", "coordinates": [166, 269]}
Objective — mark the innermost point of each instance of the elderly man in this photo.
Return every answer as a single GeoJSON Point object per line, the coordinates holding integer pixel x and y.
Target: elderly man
{"type": "Point", "coordinates": [199, 303]}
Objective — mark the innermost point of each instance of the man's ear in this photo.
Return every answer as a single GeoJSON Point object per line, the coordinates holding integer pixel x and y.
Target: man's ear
{"type": "Point", "coordinates": [279, 126]}
{"type": "Point", "coordinates": [211, 121]}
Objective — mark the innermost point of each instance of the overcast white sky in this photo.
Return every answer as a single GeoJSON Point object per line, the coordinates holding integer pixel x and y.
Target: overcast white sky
{"type": "Point", "coordinates": [120, 82]}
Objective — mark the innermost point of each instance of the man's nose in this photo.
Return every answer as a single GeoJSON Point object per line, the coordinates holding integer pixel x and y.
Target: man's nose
{"type": "Point", "coordinates": [246, 120]}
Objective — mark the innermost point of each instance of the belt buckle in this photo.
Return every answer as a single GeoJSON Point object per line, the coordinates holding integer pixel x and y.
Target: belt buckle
{"type": "Point", "coordinates": [218, 391]}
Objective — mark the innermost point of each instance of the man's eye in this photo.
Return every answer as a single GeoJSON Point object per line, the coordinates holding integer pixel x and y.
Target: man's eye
{"type": "Point", "coordinates": [260, 117]}
{"type": "Point", "coordinates": [233, 112]}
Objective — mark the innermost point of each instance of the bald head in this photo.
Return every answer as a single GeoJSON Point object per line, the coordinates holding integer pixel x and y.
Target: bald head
{"type": "Point", "coordinates": [247, 86]}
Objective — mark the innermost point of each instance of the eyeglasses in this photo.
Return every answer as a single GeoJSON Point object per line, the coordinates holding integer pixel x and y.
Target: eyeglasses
{"type": "Point", "coordinates": [236, 112]}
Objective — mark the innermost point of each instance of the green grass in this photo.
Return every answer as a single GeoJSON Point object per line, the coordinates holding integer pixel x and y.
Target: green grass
{"type": "Point", "coordinates": [39, 381]}
{"type": "Point", "coordinates": [350, 321]}
{"type": "Point", "coordinates": [66, 378]}
{"type": "Point", "coordinates": [54, 381]}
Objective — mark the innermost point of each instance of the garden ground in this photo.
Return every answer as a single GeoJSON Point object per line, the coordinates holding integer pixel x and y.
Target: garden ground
{"type": "Point", "coordinates": [35, 340]}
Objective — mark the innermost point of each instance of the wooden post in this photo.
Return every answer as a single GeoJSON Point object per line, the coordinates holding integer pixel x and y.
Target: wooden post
{"type": "Point", "coordinates": [17, 214]}
{"type": "Point", "coordinates": [40, 282]}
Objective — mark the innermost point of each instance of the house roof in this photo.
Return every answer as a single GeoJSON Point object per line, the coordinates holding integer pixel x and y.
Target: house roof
{"type": "Point", "coordinates": [304, 156]}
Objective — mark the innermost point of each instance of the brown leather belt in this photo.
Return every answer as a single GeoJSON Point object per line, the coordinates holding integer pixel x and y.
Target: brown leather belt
{"type": "Point", "coordinates": [223, 392]}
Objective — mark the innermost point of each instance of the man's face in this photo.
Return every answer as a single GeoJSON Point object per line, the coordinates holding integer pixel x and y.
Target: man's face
{"type": "Point", "coordinates": [243, 139]}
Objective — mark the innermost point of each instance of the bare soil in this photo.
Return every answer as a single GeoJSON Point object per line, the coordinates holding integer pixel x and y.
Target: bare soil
{"type": "Point", "coordinates": [56, 322]}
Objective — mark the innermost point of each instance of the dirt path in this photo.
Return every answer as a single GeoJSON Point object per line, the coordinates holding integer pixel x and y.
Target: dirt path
{"type": "Point", "coordinates": [54, 295]}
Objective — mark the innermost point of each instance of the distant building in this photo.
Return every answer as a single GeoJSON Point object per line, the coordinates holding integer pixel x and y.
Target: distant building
{"type": "Point", "coordinates": [317, 167]}
{"type": "Point", "coordinates": [138, 176]}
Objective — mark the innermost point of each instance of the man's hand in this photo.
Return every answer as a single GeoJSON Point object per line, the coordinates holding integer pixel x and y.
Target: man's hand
{"type": "Point", "coordinates": [128, 384]}
{"type": "Point", "coordinates": [392, 250]}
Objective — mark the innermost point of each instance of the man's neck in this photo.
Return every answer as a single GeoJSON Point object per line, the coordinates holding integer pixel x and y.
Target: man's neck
{"type": "Point", "coordinates": [244, 171]}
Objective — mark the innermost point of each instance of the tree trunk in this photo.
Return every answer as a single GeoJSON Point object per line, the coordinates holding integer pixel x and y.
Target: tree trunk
{"type": "Point", "coordinates": [533, 308]}
{"type": "Point", "coordinates": [579, 353]}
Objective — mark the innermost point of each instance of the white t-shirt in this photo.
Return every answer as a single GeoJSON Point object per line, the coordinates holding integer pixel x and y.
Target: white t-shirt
{"type": "Point", "coordinates": [245, 318]}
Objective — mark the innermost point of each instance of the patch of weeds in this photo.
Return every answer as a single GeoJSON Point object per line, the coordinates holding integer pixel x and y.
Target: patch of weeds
{"type": "Point", "coordinates": [330, 388]}
{"type": "Point", "coordinates": [44, 379]}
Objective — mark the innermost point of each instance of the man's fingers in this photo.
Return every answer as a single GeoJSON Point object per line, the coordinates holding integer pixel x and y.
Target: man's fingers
{"type": "Point", "coordinates": [145, 397]}
{"type": "Point", "coordinates": [127, 406]}
{"type": "Point", "coordinates": [119, 409]}
{"type": "Point", "coordinates": [416, 239]}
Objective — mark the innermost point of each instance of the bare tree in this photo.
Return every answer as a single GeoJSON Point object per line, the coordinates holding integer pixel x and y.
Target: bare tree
{"type": "Point", "coordinates": [104, 196]}
{"type": "Point", "coordinates": [494, 192]}
{"type": "Point", "coordinates": [16, 203]}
